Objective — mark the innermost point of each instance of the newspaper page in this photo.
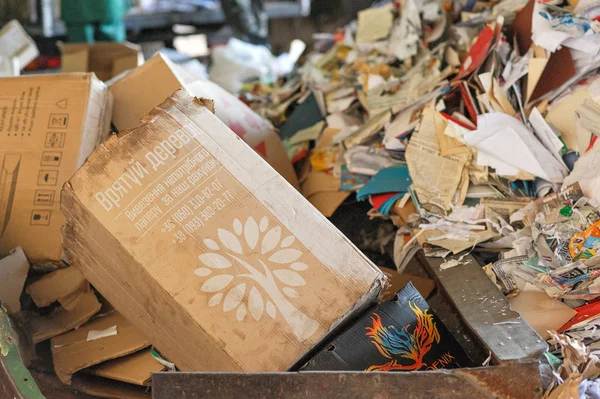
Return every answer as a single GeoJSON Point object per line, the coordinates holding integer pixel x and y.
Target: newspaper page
{"type": "Point", "coordinates": [435, 178]}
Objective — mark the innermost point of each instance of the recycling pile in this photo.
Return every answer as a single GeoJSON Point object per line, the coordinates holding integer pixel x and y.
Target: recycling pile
{"type": "Point", "coordinates": [473, 127]}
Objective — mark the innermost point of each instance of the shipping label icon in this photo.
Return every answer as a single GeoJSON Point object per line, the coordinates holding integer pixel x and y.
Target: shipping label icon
{"type": "Point", "coordinates": [43, 197]}
{"type": "Point", "coordinates": [58, 121]}
{"type": "Point", "coordinates": [47, 178]}
{"type": "Point", "coordinates": [51, 158]}
{"type": "Point", "coordinates": [40, 217]}
{"type": "Point", "coordinates": [55, 140]}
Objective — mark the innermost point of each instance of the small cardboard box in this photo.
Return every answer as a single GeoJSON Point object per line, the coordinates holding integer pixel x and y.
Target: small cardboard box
{"type": "Point", "coordinates": [205, 248]}
{"type": "Point", "coordinates": [402, 334]}
{"type": "Point", "coordinates": [49, 124]}
{"type": "Point", "coordinates": [147, 86]}
{"type": "Point", "coordinates": [105, 59]}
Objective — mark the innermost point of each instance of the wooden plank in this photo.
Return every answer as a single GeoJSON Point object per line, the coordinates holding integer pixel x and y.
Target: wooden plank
{"type": "Point", "coordinates": [521, 380]}
{"type": "Point", "coordinates": [486, 311]}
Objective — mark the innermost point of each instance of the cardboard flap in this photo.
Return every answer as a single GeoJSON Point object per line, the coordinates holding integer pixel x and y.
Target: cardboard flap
{"type": "Point", "coordinates": [136, 368]}
{"type": "Point", "coordinates": [56, 285]}
{"type": "Point", "coordinates": [62, 320]}
{"type": "Point", "coordinates": [74, 60]}
{"type": "Point", "coordinates": [86, 346]}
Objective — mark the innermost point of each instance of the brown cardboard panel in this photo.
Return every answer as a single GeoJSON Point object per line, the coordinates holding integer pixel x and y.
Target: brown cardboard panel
{"type": "Point", "coordinates": [56, 285]}
{"type": "Point", "coordinates": [62, 320]}
{"type": "Point", "coordinates": [136, 368]}
{"type": "Point", "coordinates": [317, 182]}
{"type": "Point", "coordinates": [66, 116]}
{"type": "Point", "coordinates": [399, 280]}
{"type": "Point", "coordinates": [105, 59]}
{"type": "Point", "coordinates": [134, 96]}
{"type": "Point", "coordinates": [13, 272]}
{"type": "Point", "coordinates": [327, 202]}
{"type": "Point", "coordinates": [76, 350]}
{"type": "Point", "coordinates": [250, 275]}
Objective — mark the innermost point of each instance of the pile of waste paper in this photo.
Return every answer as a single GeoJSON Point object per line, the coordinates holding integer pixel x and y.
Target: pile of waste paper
{"type": "Point", "coordinates": [473, 127]}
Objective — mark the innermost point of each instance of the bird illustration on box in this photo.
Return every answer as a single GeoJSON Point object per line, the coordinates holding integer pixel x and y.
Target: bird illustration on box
{"type": "Point", "coordinates": [395, 344]}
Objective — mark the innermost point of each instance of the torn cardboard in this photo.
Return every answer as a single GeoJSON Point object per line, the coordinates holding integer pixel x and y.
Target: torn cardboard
{"type": "Point", "coordinates": [178, 251]}
{"type": "Point", "coordinates": [57, 285]}
{"type": "Point", "coordinates": [72, 351]}
{"type": "Point", "coordinates": [13, 272]}
{"type": "Point", "coordinates": [62, 320]}
{"type": "Point", "coordinates": [134, 97]}
{"type": "Point", "coordinates": [66, 116]}
{"type": "Point", "coordinates": [397, 281]}
{"type": "Point", "coordinates": [136, 368]}
{"type": "Point", "coordinates": [105, 59]}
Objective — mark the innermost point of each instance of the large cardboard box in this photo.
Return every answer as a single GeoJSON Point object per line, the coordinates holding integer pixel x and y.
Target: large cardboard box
{"type": "Point", "coordinates": [49, 124]}
{"type": "Point", "coordinates": [105, 59]}
{"type": "Point", "coordinates": [205, 248]}
{"type": "Point", "coordinates": [148, 85]}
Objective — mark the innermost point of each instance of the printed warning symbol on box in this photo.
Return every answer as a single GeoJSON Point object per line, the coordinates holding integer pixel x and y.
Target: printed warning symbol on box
{"type": "Point", "coordinates": [43, 197]}
{"type": "Point", "coordinates": [62, 104]}
{"type": "Point", "coordinates": [40, 217]}
{"type": "Point", "coordinates": [47, 178]}
{"type": "Point", "coordinates": [51, 158]}
{"type": "Point", "coordinates": [55, 140]}
{"type": "Point", "coordinates": [58, 121]}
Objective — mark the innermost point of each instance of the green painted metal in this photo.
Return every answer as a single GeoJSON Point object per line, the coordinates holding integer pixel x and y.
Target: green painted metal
{"type": "Point", "coordinates": [13, 363]}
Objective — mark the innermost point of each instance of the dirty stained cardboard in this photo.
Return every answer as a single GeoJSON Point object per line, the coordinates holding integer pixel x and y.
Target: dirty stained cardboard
{"type": "Point", "coordinates": [210, 235]}
{"type": "Point", "coordinates": [49, 124]}
{"type": "Point", "coordinates": [136, 368]}
{"type": "Point", "coordinates": [57, 285]}
{"type": "Point", "coordinates": [134, 97]}
{"type": "Point", "coordinates": [400, 280]}
{"type": "Point", "coordinates": [72, 352]}
{"type": "Point", "coordinates": [61, 320]}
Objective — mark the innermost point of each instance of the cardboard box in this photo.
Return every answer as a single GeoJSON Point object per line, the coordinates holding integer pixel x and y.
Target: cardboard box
{"type": "Point", "coordinates": [17, 49]}
{"type": "Point", "coordinates": [199, 243]}
{"type": "Point", "coordinates": [402, 334]}
{"type": "Point", "coordinates": [105, 59]}
{"type": "Point", "coordinates": [49, 124]}
{"type": "Point", "coordinates": [135, 96]}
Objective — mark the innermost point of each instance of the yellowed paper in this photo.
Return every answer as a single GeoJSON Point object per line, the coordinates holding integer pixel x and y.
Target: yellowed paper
{"type": "Point", "coordinates": [374, 24]}
{"type": "Point", "coordinates": [370, 128]}
{"type": "Point", "coordinates": [435, 177]}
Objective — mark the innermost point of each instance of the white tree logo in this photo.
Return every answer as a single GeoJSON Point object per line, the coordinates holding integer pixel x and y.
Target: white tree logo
{"type": "Point", "coordinates": [260, 283]}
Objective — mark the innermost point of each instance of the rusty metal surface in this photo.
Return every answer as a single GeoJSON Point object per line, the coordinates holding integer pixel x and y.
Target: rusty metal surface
{"type": "Point", "coordinates": [486, 311]}
{"type": "Point", "coordinates": [516, 381]}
